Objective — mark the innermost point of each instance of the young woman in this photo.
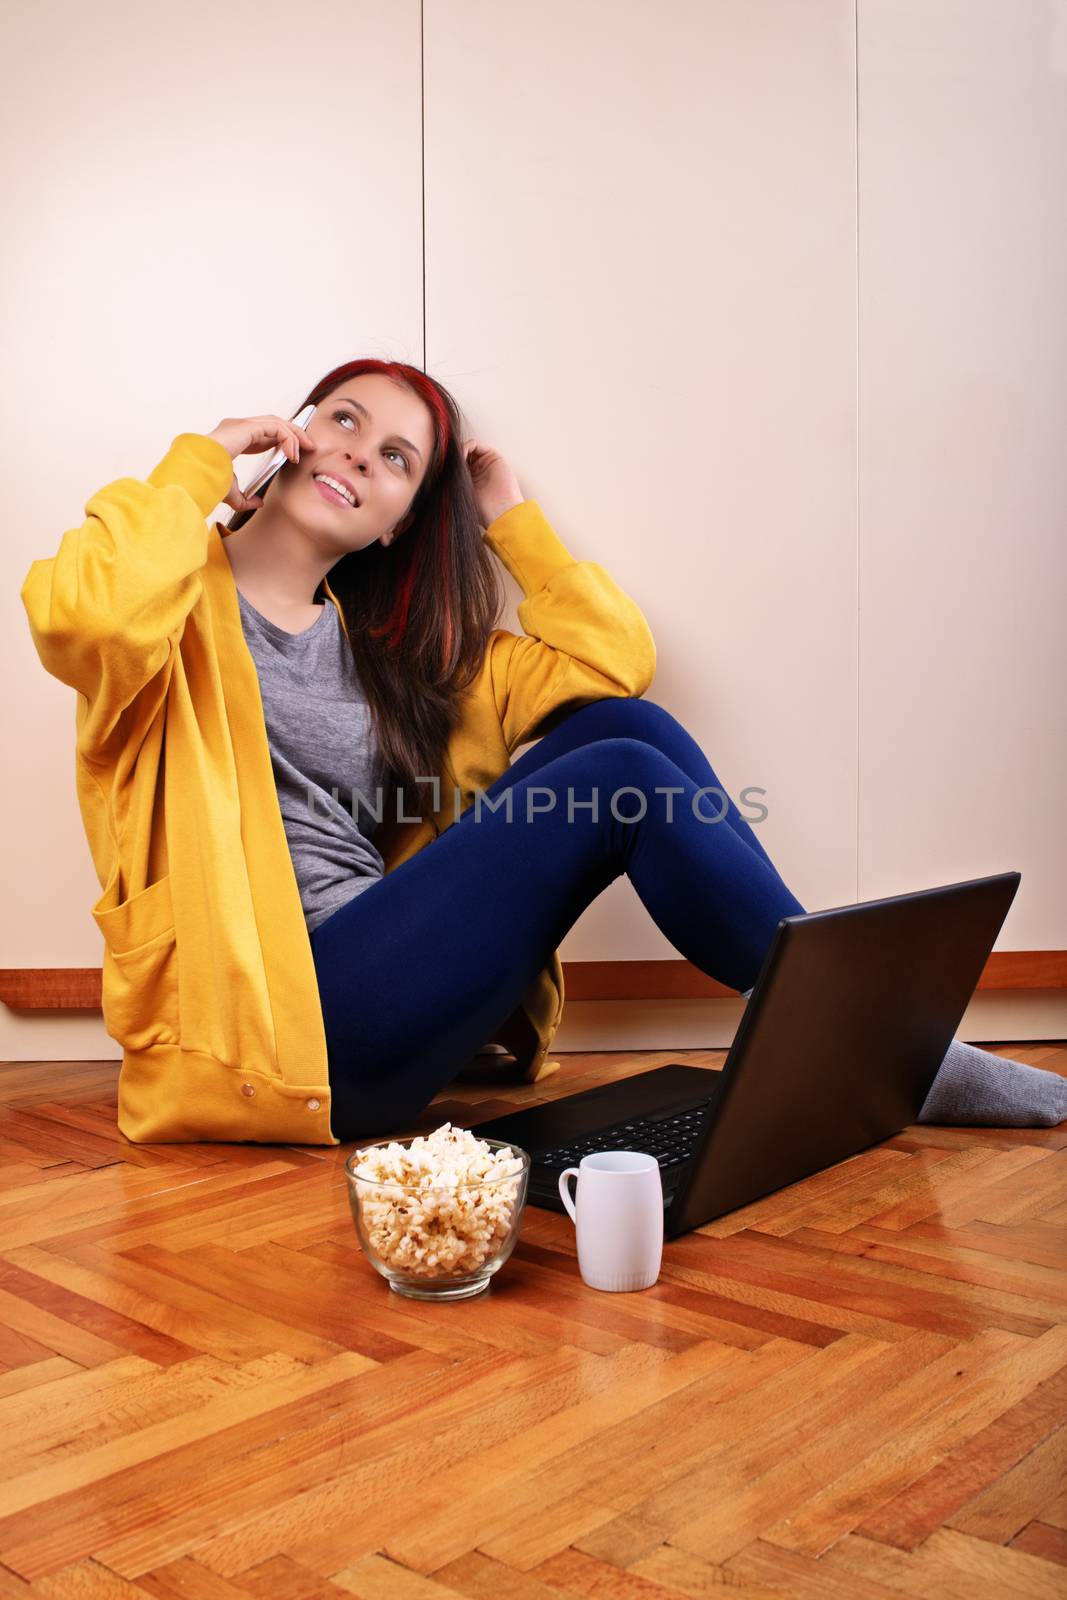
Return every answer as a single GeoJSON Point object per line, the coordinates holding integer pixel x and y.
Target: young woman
{"type": "Point", "coordinates": [328, 881]}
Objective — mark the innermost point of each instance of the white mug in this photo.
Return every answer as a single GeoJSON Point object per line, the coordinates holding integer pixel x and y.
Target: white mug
{"type": "Point", "coordinates": [618, 1215]}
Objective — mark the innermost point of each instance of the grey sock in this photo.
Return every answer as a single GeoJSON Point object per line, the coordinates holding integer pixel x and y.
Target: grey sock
{"type": "Point", "coordinates": [977, 1089]}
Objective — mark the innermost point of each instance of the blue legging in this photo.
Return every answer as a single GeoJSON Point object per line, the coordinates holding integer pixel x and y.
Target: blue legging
{"type": "Point", "coordinates": [417, 973]}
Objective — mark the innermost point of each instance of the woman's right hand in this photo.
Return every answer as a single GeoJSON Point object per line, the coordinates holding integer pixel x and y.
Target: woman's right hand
{"type": "Point", "coordinates": [241, 436]}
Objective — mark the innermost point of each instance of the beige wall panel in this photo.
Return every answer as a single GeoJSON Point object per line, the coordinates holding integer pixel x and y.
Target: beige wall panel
{"type": "Point", "coordinates": [963, 471]}
{"type": "Point", "coordinates": [204, 216]}
{"type": "Point", "coordinates": [640, 282]}
{"type": "Point", "coordinates": [594, 1025]}
{"type": "Point", "coordinates": [640, 238]}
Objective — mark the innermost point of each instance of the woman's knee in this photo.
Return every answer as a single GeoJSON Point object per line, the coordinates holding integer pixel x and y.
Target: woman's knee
{"type": "Point", "coordinates": [629, 718]}
{"type": "Point", "coordinates": [622, 766]}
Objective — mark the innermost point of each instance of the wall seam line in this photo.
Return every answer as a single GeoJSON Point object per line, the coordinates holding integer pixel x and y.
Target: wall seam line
{"type": "Point", "coordinates": [422, 158]}
{"type": "Point", "coordinates": [859, 437]}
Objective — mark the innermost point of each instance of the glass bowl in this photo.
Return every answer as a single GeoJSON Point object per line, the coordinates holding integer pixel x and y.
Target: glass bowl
{"type": "Point", "coordinates": [469, 1227]}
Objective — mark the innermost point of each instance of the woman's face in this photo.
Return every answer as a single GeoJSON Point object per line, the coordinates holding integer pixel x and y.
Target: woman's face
{"type": "Point", "coordinates": [373, 435]}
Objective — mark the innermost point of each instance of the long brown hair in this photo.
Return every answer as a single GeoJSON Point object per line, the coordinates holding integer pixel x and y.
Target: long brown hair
{"type": "Point", "coordinates": [419, 612]}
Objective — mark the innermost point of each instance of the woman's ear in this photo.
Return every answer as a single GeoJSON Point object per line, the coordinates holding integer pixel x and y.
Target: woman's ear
{"type": "Point", "coordinates": [398, 528]}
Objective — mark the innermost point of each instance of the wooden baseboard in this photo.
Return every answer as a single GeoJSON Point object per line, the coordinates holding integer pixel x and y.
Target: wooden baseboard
{"type": "Point", "coordinates": [680, 980]}
{"type": "Point", "coordinates": [78, 988]}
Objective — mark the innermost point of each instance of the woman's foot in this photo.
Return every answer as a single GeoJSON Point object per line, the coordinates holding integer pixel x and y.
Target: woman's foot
{"type": "Point", "coordinates": [976, 1089]}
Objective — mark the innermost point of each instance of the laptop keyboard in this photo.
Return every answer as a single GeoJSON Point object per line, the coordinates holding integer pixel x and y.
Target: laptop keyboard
{"type": "Point", "coordinates": [670, 1139]}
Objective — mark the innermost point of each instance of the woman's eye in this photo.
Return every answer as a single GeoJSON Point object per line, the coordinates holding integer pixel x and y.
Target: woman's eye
{"type": "Point", "coordinates": [347, 415]}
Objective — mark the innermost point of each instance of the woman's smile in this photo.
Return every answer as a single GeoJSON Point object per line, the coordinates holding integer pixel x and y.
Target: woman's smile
{"type": "Point", "coordinates": [334, 495]}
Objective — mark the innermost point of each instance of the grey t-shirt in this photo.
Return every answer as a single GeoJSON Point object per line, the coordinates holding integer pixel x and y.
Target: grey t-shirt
{"type": "Point", "coordinates": [324, 754]}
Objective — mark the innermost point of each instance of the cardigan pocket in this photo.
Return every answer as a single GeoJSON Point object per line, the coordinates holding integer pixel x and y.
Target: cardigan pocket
{"type": "Point", "coordinates": [139, 991]}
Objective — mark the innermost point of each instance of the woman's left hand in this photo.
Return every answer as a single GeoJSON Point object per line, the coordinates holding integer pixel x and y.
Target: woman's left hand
{"type": "Point", "coordinates": [496, 488]}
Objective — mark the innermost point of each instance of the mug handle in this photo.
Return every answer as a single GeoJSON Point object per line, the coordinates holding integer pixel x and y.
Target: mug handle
{"type": "Point", "coordinates": [565, 1192]}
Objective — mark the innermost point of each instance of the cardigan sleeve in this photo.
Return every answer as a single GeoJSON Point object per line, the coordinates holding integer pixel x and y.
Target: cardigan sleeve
{"type": "Point", "coordinates": [584, 638]}
{"type": "Point", "coordinates": [108, 610]}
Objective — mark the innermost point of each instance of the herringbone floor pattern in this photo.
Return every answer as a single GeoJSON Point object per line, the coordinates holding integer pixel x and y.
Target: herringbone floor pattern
{"type": "Point", "coordinates": [855, 1388]}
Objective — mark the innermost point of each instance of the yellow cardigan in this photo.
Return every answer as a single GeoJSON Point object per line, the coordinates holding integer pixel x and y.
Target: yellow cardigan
{"type": "Point", "coordinates": [208, 979]}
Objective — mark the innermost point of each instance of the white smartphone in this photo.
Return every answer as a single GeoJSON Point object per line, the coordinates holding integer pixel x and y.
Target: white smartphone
{"type": "Point", "coordinates": [277, 459]}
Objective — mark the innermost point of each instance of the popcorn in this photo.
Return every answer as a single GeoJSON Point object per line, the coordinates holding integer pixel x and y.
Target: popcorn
{"type": "Point", "coordinates": [440, 1205]}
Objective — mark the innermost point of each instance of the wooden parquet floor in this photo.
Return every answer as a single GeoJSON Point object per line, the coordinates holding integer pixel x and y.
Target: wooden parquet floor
{"type": "Point", "coordinates": [855, 1388]}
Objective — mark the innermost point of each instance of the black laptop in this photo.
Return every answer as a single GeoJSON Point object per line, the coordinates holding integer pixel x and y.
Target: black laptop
{"type": "Point", "coordinates": [837, 1048]}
